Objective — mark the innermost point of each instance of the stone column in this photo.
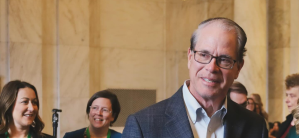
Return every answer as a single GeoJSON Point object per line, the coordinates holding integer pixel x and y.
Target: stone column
{"type": "Point", "coordinates": [251, 16]}
{"type": "Point", "coordinates": [278, 55]}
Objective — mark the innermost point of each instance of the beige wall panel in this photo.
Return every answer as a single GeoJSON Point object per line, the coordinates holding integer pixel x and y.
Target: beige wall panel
{"type": "Point", "coordinates": [95, 67]}
{"type": "Point", "coordinates": [294, 42]}
{"type": "Point", "coordinates": [3, 64]}
{"type": "Point", "coordinates": [94, 42]}
{"type": "Point", "coordinates": [74, 22]}
{"type": "Point", "coordinates": [49, 63]}
{"type": "Point", "coordinates": [286, 65]}
{"type": "Point", "coordinates": [25, 24]}
{"type": "Point", "coordinates": [73, 86]}
{"type": "Point", "coordinates": [132, 24]}
{"type": "Point", "coordinates": [49, 83]}
{"type": "Point", "coordinates": [273, 114]}
{"type": "Point", "coordinates": [176, 70]}
{"type": "Point", "coordinates": [74, 71]}
{"type": "Point", "coordinates": [132, 69]}
{"type": "Point", "coordinates": [73, 114]}
{"type": "Point", "coordinates": [183, 70]}
{"type": "Point", "coordinates": [251, 16]}
{"type": "Point", "coordinates": [25, 65]}
{"type": "Point", "coordinates": [182, 18]}
{"type": "Point", "coordinates": [47, 113]}
{"type": "Point", "coordinates": [221, 8]}
{"type": "Point", "coordinates": [49, 23]}
{"type": "Point", "coordinates": [3, 44]}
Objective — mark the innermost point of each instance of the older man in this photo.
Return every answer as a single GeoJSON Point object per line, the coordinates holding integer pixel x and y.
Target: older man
{"type": "Point", "coordinates": [200, 107]}
{"type": "Point", "coordinates": [287, 128]}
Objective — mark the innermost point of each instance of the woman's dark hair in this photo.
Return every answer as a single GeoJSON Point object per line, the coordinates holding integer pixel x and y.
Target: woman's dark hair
{"type": "Point", "coordinates": [278, 123]}
{"type": "Point", "coordinates": [109, 95]}
{"type": "Point", "coordinates": [7, 99]}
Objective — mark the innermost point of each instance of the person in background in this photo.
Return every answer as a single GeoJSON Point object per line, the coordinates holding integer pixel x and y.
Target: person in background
{"type": "Point", "coordinates": [102, 110]}
{"type": "Point", "coordinates": [295, 128]}
{"type": "Point", "coordinates": [19, 116]}
{"type": "Point", "coordinates": [274, 130]}
{"type": "Point", "coordinates": [238, 93]}
{"type": "Point", "coordinates": [250, 104]}
{"type": "Point", "coordinates": [259, 105]}
{"type": "Point", "coordinates": [292, 96]}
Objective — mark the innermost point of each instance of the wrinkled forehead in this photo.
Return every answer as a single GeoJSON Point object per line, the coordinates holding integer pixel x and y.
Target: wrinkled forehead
{"type": "Point", "coordinates": [215, 34]}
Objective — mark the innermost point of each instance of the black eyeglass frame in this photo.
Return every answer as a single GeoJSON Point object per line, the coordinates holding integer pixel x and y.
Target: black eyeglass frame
{"type": "Point", "coordinates": [215, 58]}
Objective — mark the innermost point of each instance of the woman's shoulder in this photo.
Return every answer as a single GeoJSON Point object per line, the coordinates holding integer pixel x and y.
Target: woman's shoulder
{"type": "Point", "coordinates": [115, 134]}
{"type": "Point", "coordinates": [76, 133]}
{"type": "Point", "coordinates": [46, 136]}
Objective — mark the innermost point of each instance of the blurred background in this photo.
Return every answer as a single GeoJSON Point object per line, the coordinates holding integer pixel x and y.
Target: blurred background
{"type": "Point", "coordinates": [70, 49]}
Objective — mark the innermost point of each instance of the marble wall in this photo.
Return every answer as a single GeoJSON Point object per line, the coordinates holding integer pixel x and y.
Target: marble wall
{"type": "Point", "coordinates": [254, 72]}
{"type": "Point", "coordinates": [69, 49]}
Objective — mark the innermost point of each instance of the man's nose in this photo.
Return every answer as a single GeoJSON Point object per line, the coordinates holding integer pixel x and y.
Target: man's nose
{"type": "Point", "coordinates": [212, 66]}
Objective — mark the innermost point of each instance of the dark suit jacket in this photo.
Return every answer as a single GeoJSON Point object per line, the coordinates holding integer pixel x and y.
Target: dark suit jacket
{"type": "Point", "coordinates": [34, 136]}
{"type": "Point", "coordinates": [80, 134]}
{"type": "Point", "coordinates": [168, 119]}
{"type": "Point", "coordinates": [284, 125]}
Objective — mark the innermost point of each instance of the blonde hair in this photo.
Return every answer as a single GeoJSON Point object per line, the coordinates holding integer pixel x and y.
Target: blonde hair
{"type": "Point", "coordinates": [258, 100]}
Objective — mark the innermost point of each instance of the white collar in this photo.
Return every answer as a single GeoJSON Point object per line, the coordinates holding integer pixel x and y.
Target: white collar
{"type": "Point", "coordinates": [192, 104]}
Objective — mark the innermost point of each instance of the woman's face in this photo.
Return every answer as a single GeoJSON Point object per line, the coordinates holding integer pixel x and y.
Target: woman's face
{"type": "Point", "coordinates": [100, 114]}
{"type": "Point", "coordinates": [25, 108]}
{"type": "Point", "coordinates": [250, 105]}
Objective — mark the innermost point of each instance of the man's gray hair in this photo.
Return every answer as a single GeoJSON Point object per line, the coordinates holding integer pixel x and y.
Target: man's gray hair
{"type": "Point", "coordinates": [228, 25]}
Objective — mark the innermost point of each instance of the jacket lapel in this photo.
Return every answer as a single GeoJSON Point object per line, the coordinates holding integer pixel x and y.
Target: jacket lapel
{"type": "Point", "coordinates": [233, 124]}
{"type": "Point", "coordinates": [177, 124]}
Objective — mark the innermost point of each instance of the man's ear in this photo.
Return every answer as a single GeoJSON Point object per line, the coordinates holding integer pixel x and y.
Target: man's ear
{"type": "Point", "coordinates": [239, 67]}
{"type": "Point", "coordinates": [189, 54]}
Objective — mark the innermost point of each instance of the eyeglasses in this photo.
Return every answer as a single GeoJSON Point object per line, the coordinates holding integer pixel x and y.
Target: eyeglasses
{"type": "Point", "coordinates": [103, 110]}
{"type": "Point", "coordinates": [221, 61]}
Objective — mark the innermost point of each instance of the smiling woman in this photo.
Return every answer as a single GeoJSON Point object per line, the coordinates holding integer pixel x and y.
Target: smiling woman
{"type": "Point", "coordinates": [102, 110]}
{"type": "Point", "coordinates": [19, 106]}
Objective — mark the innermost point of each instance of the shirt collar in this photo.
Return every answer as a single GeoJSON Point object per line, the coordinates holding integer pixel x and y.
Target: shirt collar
{"type": "Point", "coordinates": [192, 104]}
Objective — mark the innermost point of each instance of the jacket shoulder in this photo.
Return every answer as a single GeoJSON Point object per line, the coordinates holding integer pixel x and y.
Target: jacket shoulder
{"type": "Point", "coordinates": [115, 134]}
{"type": "Point", "coordinates": [75, 134]}
{"type": "Point", "coordinates": [157, 108]}
{"type": "Point", "coordinates": [160, 107]}
{"type": "Point", "coordinates": [284, 125]}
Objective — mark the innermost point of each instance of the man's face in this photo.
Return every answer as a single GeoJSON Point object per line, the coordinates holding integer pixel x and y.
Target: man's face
{"type": "Point", "coordinates": [208, 80]}
{"type": "Point", "coordinates": [292, 96]}
{"type": "Point", "coordinates": [238, 98]}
